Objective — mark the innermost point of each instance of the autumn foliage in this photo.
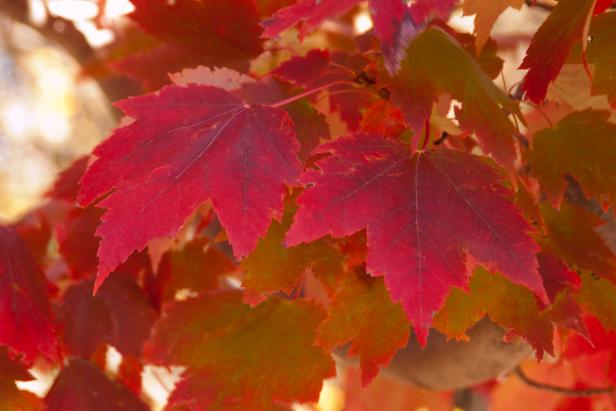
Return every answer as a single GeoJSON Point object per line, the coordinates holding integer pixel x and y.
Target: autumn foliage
{"type": "Point", "coordinates": [261, 205]}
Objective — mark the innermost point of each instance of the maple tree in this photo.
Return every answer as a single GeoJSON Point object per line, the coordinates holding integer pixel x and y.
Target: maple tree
{"type": "Point", "coordinates": [267, 209]}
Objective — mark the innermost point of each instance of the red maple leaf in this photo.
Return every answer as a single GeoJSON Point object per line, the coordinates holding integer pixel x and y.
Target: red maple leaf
{"type": "Point", "coordinates": [66, 185]}
{"type": "Point", "coordinates": [339, 73]}
{"type": "Point", "coordinates": [552, 44]}
{"type": "Point", "coordinates": [118, 315]}
{"type": "Point", "coordinates": [311, 13]}
{"type": "Point", "coordinates": [423, 213]}
{"type": "Point", "coordinates": [185, 146]}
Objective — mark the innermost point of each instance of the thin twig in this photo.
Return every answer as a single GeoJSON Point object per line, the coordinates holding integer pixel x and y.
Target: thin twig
{"type": "Point", "coordinates": [587, 392]}
{"type": "Point", "coordinates": [310, 92]}
{"type": "Point", "coordinates": [539, 4]}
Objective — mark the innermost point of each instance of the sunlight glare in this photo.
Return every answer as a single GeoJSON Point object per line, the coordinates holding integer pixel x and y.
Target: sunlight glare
{"type": "Point", "coordinates": [362, 22]}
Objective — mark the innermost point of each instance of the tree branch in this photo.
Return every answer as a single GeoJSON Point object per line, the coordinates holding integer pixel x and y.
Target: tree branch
{"type": "Point", "coordinates": [561, 390]}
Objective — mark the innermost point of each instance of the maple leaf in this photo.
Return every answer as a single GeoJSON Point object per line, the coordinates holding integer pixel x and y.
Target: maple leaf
{"type": "Point", "coordinates": [118, 315]}
{"type": "Point", "coordinates": [395, 23]}
{"type": "Point", "coordinates": [66, 185]}
{"type": "Point", "coordinates": [509, 305]}
{"type": "Point", "coordinates": [77, 242]}
{"type": "Point", "coordinates": [395, 28]}
{"type": "Point", "coordinates": [601, 52]}
{"type": "Point", "coordinates": [362, 312]}
{"type": "Point", "coordinates": [594, 358]}
{"type": "Point", "coordinates": [487, 56]}
{"type": "Point", "coordinates": [561, 151]}
{"type": "Point", "coordinates": [197, 267]}
{"type": "Point", "coordinates": [223, 77]}
{"type": "Point", "coordinates": [422, 213]}
{"type": "Point", "coordinates": [338, 72]}
{"type": "Point", "coordinates": [272, 267]}
{"type": "Point", "coordinates": [571, 235]}
{"type": "Point", "coordinates": [81, 386]}
{"type": "Point", "coordinates": [485, 107]}
{"type": "Point", "coordinates": [556, 275]}
{"type": "Point", "coordinates": [86, 320]}
{"type": "Point", "coordinates": [574, 88]}
{"type": "Point", "coordinates": [191, 33]}
{"type": "Point", "coordinates": [552, 43]}
{"type": "Point", "coordinates": [35, 229]}
{"type": "Point", "coordinates": [198, 142]}
{"type": "Point", "coordinates": [597, 296]}
{"type": "Point", "coordinates": [11, 368]}
{"type": "Point", "coordinates": [383, 118]}
{"type": "Point", "coordinates": [565, 311]}
{"type": "Point", "coordinates": [303, 70]}
{"type": "Point", "coordinates": [225, 29]}
{"type": "Point", "coordinates": [311, 13]}
{"type": "Point", "coordinates": [129, 373]}
{"type": "Point", "coordinates": [268, 7]}
{"type": "Point", "coordinates": [310, 125]}
{"type": "Point", "coordinates": [26, 322]}
{"type": "Point", "coordinates": [226, 346]}
{"type": "Point", "coordinates": [151, 67]}
{"type": "Point", "coordinates": [486, 13]}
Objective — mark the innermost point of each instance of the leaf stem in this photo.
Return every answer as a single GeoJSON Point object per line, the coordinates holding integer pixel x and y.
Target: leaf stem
{"type": "Point", "coordinates": [540, 111]}
{"type": "Point", "coordinates": [561, 390]}
{"type": "Point", "coordinates": [308, 92]}
{"type": "Point", "coordinates": [427, 135]}
{"type": "Point", "coordinates": [349, 90]}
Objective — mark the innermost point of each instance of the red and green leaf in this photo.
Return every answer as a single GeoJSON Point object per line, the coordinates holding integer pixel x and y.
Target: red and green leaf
{"type": "Point", "coordinates": [226, 345]}
{"type": "Point", "coordinates": [363, 314]}
{"type": "Point", "coordinates": [485, 108]}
